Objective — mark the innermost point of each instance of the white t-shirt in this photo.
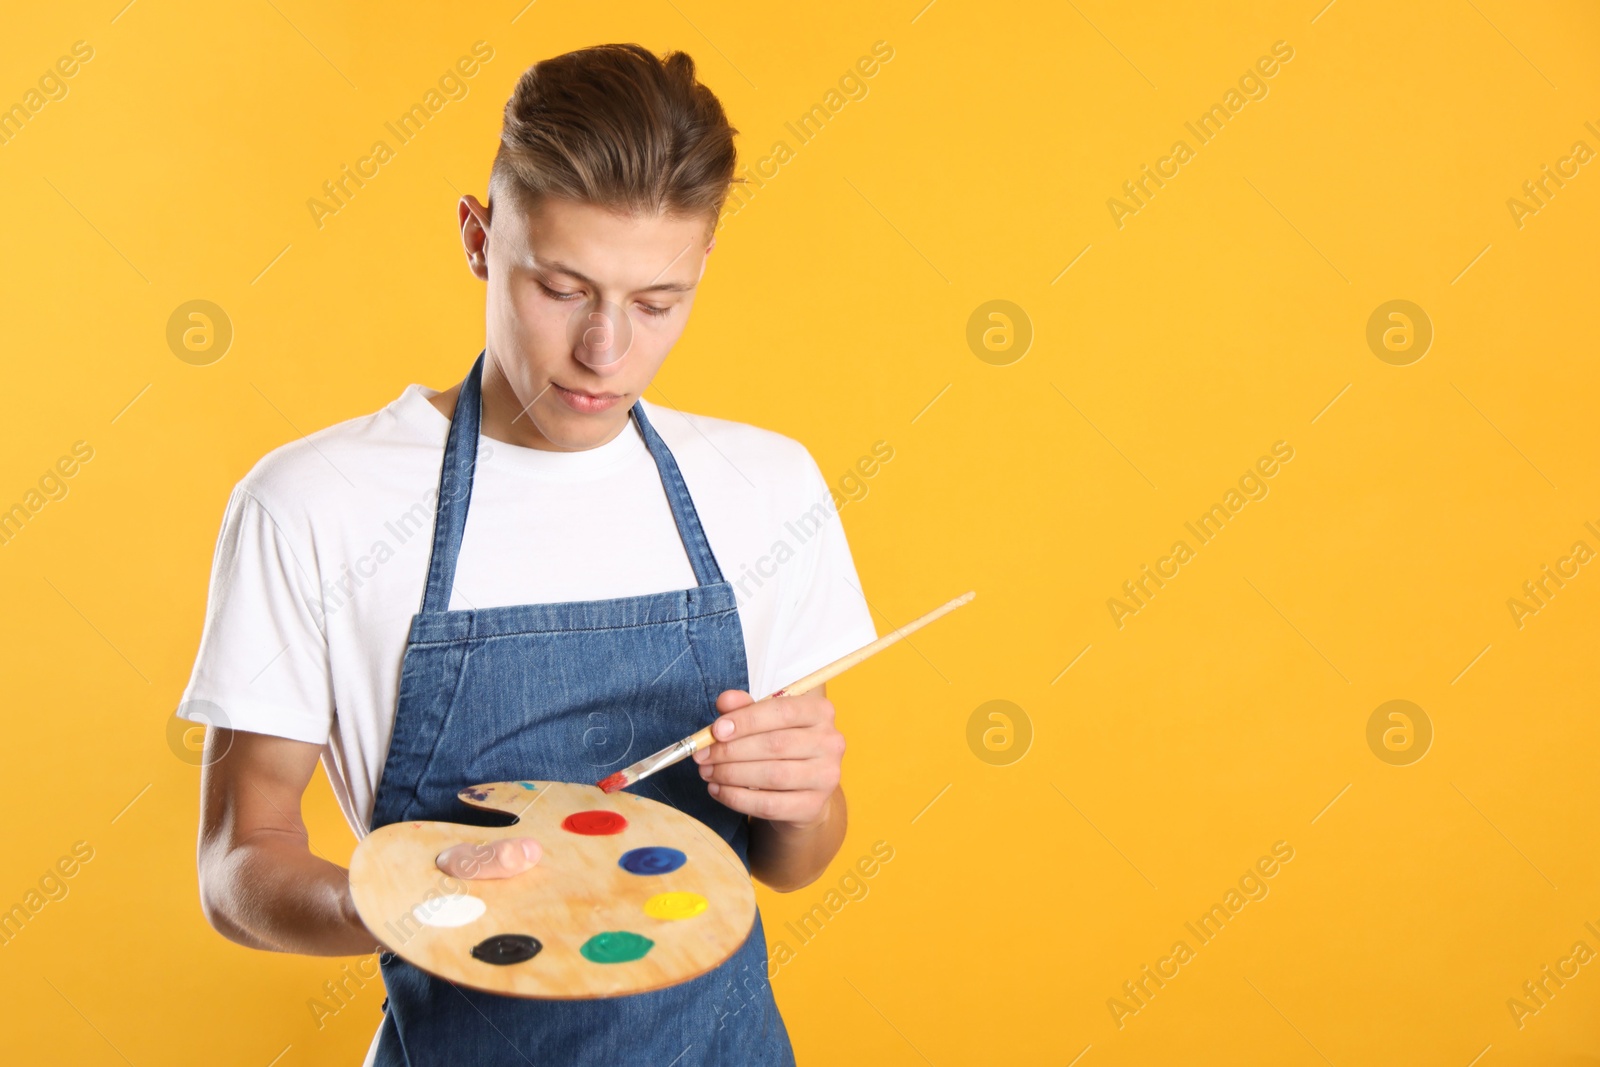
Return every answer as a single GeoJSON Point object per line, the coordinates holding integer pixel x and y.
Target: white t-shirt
{"type": "Point", "coordinates": [324, 547]}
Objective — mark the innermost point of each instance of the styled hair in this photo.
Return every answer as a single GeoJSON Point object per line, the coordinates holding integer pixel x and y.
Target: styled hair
{"type": "Point", "coordinates": [617, 127]}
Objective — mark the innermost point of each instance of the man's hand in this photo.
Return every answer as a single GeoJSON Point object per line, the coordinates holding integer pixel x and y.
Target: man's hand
{"type": "Point", "coordinates": [480, 859]}
{"type": "Point", "coordinates": [473, 859]}
{"type": "Point", "coordinates": [777, 759]}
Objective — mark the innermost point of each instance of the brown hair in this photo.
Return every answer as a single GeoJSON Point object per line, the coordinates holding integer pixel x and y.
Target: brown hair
{"type": "Point", "coordinates": [615, 126]}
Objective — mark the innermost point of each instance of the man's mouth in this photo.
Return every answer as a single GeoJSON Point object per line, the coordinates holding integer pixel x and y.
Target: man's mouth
{"type": "Point", "coordinates": [585, 402]}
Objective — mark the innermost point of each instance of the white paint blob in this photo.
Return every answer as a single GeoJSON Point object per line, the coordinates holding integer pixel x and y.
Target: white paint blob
{"type": "Point", "coordinates": [454, 909]}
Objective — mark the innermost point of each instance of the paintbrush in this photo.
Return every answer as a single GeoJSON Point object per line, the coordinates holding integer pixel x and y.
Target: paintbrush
{"type": "Point", "coordinates": [690, 745]}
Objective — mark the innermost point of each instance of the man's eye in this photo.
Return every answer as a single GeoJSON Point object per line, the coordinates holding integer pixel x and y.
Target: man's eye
{"type": "Point", "coordinates": [554, 295]}
{"type": "Point", "coordinates": [567, 298]}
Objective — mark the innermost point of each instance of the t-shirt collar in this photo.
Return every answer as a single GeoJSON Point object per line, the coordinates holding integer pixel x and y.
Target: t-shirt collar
{"type": "Point", "coordinates": [413, 406]}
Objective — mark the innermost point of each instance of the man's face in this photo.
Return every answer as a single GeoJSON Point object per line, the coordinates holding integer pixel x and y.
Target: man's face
{"type": "Point", "coordinates": [583, 306]}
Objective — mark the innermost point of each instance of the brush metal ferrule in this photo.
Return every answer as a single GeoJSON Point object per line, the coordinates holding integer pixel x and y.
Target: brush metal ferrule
{"type": "Point", "coordinates": [665, 758]}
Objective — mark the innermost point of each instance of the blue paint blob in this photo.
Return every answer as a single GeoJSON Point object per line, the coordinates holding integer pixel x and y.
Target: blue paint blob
{"type": "Point", "coordinates": [652, 859]}
{"type": "Point", "coordinates": [527, 785]}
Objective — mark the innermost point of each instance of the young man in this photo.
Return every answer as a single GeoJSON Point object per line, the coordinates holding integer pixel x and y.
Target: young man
{"type": "Point", "coordinates": [536, 574]}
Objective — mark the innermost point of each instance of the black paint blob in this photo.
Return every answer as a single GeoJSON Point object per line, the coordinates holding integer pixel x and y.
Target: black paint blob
{"type": "Point", "coordinates": [505, 949]}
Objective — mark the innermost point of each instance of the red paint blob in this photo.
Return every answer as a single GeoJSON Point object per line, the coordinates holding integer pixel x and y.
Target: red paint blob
{"type": "Point", "coordinates": [594, 823]}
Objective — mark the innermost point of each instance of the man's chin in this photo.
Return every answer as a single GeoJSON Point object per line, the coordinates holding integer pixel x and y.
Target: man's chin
{"type": "Point", "coordinates": [572, 432]}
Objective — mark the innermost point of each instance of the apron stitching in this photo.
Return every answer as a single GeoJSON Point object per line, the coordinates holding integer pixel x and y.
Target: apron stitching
{"type": "Point", "coordinates": [583, 629]}
{"type": "Point", "coordinates": [443, 721]}
{"type": "Point", "coordinates": [710, 705]}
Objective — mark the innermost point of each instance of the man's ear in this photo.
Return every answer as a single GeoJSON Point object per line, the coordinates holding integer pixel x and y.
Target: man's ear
{"type": "Point", "coordinates": [706, 262]}
{"type": "Point", "coordinates": [474, 220]}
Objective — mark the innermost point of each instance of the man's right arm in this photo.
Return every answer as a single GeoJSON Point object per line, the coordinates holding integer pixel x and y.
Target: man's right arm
{"type": "Point", "coordinates": [260, 883]}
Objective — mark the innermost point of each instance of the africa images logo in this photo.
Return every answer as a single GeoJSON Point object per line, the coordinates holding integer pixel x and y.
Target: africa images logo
{"type": "Point", "coordinates": [338, 191]}
{"type": "Point", "coordinates": [1252, 85]}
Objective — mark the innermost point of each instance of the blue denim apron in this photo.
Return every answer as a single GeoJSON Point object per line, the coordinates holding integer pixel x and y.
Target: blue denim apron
{"type": "Point", "coordinates": [566, 692]}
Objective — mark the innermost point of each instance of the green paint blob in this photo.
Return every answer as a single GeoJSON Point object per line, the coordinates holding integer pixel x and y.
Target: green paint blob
{"type": "Point", "coordinates": [616, 946]}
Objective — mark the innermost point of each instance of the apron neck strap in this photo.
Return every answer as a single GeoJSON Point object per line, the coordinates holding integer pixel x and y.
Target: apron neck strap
{"type": "Point", "coordinates": [706, 571]}
{"type": "Point", "coordinates": [455, 493]}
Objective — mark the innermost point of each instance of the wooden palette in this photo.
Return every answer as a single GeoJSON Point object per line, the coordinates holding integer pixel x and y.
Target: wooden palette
{"type": "Point", "coordinates": [579, 889]}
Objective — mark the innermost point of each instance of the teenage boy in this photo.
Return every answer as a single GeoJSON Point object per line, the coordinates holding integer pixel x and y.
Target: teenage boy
{"type": "Point", "coordinates": [536, 574]}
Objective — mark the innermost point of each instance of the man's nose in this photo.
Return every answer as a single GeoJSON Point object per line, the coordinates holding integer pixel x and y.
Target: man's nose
{"type": "Point", "coordinates": [604, 336]}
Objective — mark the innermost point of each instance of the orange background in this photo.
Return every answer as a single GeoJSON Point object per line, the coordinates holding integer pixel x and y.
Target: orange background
{"type": "Point", "coordinates": [1029, 882]}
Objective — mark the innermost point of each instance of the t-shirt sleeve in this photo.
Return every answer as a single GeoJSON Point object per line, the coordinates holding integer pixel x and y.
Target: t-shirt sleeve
{"type": "Point", "coordinates": [263, 662]}
{"type": "Point", "coordinates": [824, 614]}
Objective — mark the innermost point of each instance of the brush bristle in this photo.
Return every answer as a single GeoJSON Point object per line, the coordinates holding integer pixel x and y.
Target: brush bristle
{"type": "Point", "coordinates": [612, 782]}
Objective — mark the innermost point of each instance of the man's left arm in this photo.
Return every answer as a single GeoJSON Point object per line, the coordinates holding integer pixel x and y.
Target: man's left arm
{"type": "Point", "coordinates": [778, 761]}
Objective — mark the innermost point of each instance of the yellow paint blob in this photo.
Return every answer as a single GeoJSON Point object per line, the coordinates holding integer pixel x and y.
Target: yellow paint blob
{"type": "Point", "coordinates": [675, 905]}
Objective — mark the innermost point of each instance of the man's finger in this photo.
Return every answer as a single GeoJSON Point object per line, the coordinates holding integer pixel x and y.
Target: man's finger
{"type": "Point", "coordinates": [732, 700]}
{"type": "Point", "coordinates": [776, 713]}
{"type": "Point", "coordinates": [808, 742]}
{"type": "Point", "coordinates": [775, 804]}
{"type": "Point", "coordinates": [811, 774]}
{"type": "Point", "coordinates": [480, 859]}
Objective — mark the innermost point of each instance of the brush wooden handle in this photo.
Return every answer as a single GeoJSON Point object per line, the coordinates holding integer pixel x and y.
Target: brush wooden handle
{"type": "Point", "coordinates": [681, 750]}
{"type": "Point", "coordinates": [843, 663]}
